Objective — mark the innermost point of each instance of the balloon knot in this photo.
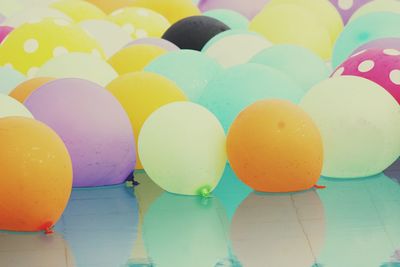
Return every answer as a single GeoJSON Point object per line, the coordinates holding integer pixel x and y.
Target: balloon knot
{"type": "Point", "coordinates": [49, 231]}
{"type": "Point", "coordinates": [205, 191]}
{"type": "Point", "coordinates": [319, 186]}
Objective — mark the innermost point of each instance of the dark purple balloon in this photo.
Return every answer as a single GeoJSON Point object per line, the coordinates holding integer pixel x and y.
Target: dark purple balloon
{"type": "Point", "coordinates": [384, 43]}
{"type": "Point", "coordinates": [346, 8]}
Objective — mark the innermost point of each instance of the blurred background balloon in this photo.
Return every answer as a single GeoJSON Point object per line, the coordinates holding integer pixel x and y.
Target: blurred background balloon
{"type": "Point", "coordinates": [94, 127]}
{"type": "Point", "coordinates": [359, 123]}
{"type": "Point", "coordinates": [24, 89]}
{"type": "Point", "coordinates": [347, 8]}
{"type": "Point", "coordinates": [164, 44]}
{"type": "Point", "coordinates": [248, 9]}
{"type": "Point", "coordinates": [182, 149]}
{"type": "Point", "coordinates": [189, 69]}
{"type": "Point", "coordinates": [140, 94]}
{"type": "Point", "coordinates": [9, 107]}
{"type": "Point", "coordinates": [41, 158]}
{"type": "Point", "coordinates": [35, 14]}
{"type": "Point", "coordinates": [9, 78]}
{"type": "Point", "coordinates": [78, 10]}
{"type": "Point", "coordinates": [232, 19]}
{"type": "Point", "coordinates": [109, 6]}
{"type": "Point", "coordinates": [382, 43]}
{"type": "Point", "coordinates": [377, 6]}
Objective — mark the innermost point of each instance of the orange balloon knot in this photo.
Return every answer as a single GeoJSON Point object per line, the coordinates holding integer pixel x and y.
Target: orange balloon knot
{"type": "Point", "coordinates": [319, 186]}
{"type": "Point", "coordinates": [48, 231]}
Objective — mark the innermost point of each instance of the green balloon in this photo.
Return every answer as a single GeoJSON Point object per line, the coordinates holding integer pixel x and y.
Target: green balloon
{"type": "Point", "coordinates": [232, 19]}
{"type": "Point", "coordinates": [189, 69]}
{"type": "Point", "coordinates": [301, 64]}
{"type": "Point", "coordinates": [360, 126]}
{"type": "Point", "coordinates": [9, 79]}
{"type": "Point", "coordinates": [238, 87]}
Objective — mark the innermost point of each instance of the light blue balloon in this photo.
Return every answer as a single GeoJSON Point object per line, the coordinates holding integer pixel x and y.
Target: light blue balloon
{"type": "Point", "coordinates": [232, 19]}
{"type": "Point", "coordinates": [362, 30]}
{"type": "Point", "coordinates": [238, 87]}
{"type": "Point", "coordinates": [189, 69]}
{"type": "Point", "coordinates": [9, 79]}
{"type": "Point", "coordinates": [299, 63]}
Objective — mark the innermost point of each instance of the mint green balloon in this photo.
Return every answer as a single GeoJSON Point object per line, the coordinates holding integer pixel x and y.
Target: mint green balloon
{"type": "Point", "coordinates": [182, 147]}
{"type": "Point", "coordinates": [189, 69]}
{"type": "Point", "coordinates": [234, 20]}
{"type": "Point", "coordinates": [299, 63]}
{"type": "Point", "coordinates": [9, 79]}
{"type": "Point", "coordinates": [238, 87]}
{"type": "Point", "coordinates": [363, 30]}
{"type": "Point", "coordinates": [360, 126]}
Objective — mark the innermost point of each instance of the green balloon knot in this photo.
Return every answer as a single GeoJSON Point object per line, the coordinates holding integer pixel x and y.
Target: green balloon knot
{"type": "Point", "coordinates": [205, 191]}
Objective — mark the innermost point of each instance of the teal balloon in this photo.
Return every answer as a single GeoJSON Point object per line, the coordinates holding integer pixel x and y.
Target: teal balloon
{"type": "Point", "coordinates": [299, 63]}
{"type": "Point", "coordinates": [9, 79]}
{"type": "Point", "coordinates": [362, 30]}
{"type": "Point", "coordinates": [189, 69]}
{"type": "Point", "coordinates": [231, 18]}
{"type": "Point", "coordinates": [238, 87]}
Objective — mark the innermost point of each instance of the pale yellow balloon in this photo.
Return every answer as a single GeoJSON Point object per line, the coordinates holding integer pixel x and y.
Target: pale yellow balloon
{"type": "Point", "coordinates": [10, 8]}
{"type": "Point", "coordinates": [135, 58]}
{"type": "Point", "coordinates": [9, 107]}
{"type": "Point", "coordinates": [377, 6]}
{"type": "Point", "coordinates": [28, 47]}
{"type": "Point", "coordinates": [323, 10]}
{"type": "Point", "coordinates": [34, 14]}
{"type": "Point", "coordinates": [79, 10]}
{"type": "Point", "coordinates": [79, 65]}
{"type": "Point", "coordinates": [293, 24]}
{"type": "Point", "coordinates": [140, 22]}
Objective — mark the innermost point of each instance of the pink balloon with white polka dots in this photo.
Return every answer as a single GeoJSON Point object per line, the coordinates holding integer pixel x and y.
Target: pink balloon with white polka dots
{"type": "Point", "coordinates": [346, 8]}
{"type": "Point", "coordinates": [381, 66]}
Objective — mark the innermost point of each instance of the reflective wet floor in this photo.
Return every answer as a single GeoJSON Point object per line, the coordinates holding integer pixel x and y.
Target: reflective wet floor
{"type": "Point", "coordinates": [350, 223]}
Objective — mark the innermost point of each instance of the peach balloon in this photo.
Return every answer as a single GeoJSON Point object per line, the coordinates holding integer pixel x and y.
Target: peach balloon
{"type": "Point", "coordinates": [25, 89]}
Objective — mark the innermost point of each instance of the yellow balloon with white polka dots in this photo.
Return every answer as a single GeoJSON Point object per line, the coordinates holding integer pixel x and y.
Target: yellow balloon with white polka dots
{"type": "Point", "coordinates": [28, 47]}
{"type": "Point", "coordinates": [140, 22]}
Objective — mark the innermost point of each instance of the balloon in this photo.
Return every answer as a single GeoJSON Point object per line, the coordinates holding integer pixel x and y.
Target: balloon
{"type": "Point", "coordinates": [35, 14]}
{"type": "Point", "coordinates": [384, 43]}
{"type": "Point", "coordinates": [140, 94]}
{"type": "Point", "coordinates": [293, 229]}
{"type": "Point", "coordinates": [235, 47]}
{"type": "Point", "coordinates": [381, 66]}
{"type": "Point", "coordinates": [235, 88]}
{"type": "Point", "coordinates": [232, 19]}
{"type": "Point", "coordinates": [24, 89]}
{"type": "Point", "coordinates": [134, 58]}
{"type": "Point", "coordinates": [94, 127]}
{"type": "Point", "coordinates": [194, 32]}
{"type": "Point", "coordinates": [347, 8]}
{"type": "Point", "coordinates": [36, 175]}
{"type": "Point", "coordinates": [363, 30]}
{"type": "Point", "coordinates": [293, 24]}
{"type": "Point", "coordinates": [182, 148]}
{"type": "Point", "coordinates": [2, 18]}
{"type": "Point", "coordinates": [79, 10]}
{"type": "Point", "coordinates": [360, 124]}
{"type": "Point", "coordinates": [140, 22]}
{"type": "Point", "coordinates": [96, 237]}
{"type": "Point", "coordinates": [173, 10]}
{"type": "Point", "coordinates": [189, 69]}
{"type": "Point", "coordinates": [9, 79]}
{"type": "Point", "coordinates": [78, 65]}
{"type": "Point", "coordinates": [248, 9]}
{"type": "Point", "coordinates": [202, 226]}
{"type": "Point", "coordinates": [109, 6]}
{"type": "Point", "coordinates": [9, 8]}
{"type": "Point", "coordinates": [300, 64]}
{"type": "Point", "coordinates": [164, 44]}
{"type": "Point", "coordinates": [377, 6]}
{"type": "Point", "coordinates": [28, 47]}
{"type": "Point", "coordinates": [4, 31]}
{"type": "Point", "coordinates": [275, 127]}
{"type": "Point", "coordinates": [109, 35]}
{"type": "Point", "coordinates": [9, 107]}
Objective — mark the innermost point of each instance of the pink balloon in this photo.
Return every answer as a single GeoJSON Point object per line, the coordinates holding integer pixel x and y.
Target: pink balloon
{"type": "Point", "coordinates": [381, 66]}
{"type": "Point", "coordinates": [347, 8]}
{"type": "Point", "coordinates": [383, 43]}
{"type": "Point", "coordinates": [248, 8]}
{"type": "Point", "coordinates": [4, 31]}
{"type": "Point", "coordinates": [94, 127]}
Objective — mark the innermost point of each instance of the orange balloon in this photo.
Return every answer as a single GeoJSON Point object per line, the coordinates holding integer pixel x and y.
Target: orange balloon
{"type": "Point", "coordinates": [35, 175]}
{"type": "Point", "coordinates": [25, 89]}
{"type": "Point", "coordinates": [274, 146]}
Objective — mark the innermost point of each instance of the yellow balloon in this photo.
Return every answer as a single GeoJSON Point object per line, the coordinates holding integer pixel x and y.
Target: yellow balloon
{"type": "Point", "coordinates": [377, 6]}
{"type": "Point", "coordinates": [140, 22]}
{"type": "Point", "coordinates": [141, 94]}
{"type": "Point", "coordinates": [135, 58]}
{"type": "Point", "coordinates": [109, 6]}
{"type": "Point", "coordinates": [28, 47]}
{"type": "Point", "coordinates": [173, 10]}
{"type": "Point", "coordinates": [324, 11]}
{"type": "Point", "coordinates": [293, 24]}
{"type": "Point", "coordinates": [34, 14]}
{"type": "Point", "coordinates": [79, 10]}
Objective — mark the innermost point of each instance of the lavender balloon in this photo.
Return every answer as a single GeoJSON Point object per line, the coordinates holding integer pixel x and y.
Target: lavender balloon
{"type": "Point", "coordinates": [346, 8]}
{"type": "Point", "coordinates": [384, 43]}
{"type": "Point", "coordinates": [93, 126]}
{"type": "Point", "coordinates": [167, 45]}
{"type": "Point", "coordinates": [248, 8]}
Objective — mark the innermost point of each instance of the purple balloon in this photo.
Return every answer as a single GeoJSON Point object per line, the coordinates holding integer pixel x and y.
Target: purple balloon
{"type": "Point", "coordinates": [248, 8]}
{"type": "Point", "coordinates": [94, 127]}
{"type": "Point", "coordinates": [165, 44]}
{"type": "Point", "coordinates": [384, 43]}
{"type": "Point", "coordinates": [346, 8]}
